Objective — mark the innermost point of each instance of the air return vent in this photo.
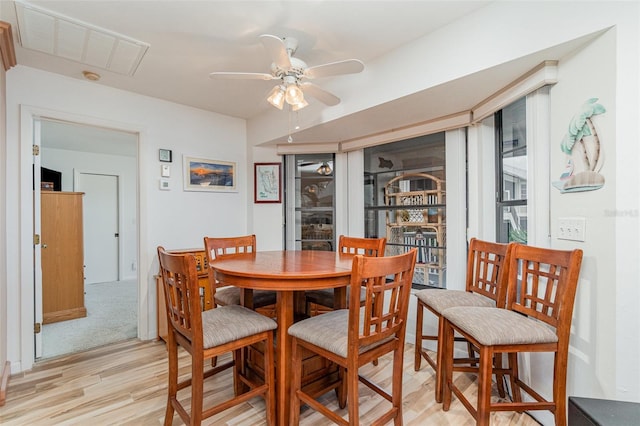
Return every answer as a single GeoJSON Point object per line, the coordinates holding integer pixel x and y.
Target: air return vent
{"type": "Point", "coordinates": [49, 32]}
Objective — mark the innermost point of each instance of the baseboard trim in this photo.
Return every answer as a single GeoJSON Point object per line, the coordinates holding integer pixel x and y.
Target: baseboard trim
{"type": "Point", "coordinates": [6, 371]}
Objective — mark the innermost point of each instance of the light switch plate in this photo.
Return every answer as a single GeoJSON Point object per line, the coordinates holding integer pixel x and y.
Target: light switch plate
{"type": "Point", "coordinates": [572, 228]}
{"type": "Point", "coordinates": [165, 170]}
{"type": "Point", "coordinates": [164, 184]}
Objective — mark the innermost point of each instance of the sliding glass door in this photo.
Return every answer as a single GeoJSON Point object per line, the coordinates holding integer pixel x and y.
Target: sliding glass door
{"type": "Point", "coordinates": [310, 202]}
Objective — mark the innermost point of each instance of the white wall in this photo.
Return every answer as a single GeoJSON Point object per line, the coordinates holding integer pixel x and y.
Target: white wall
{"type": "Point", "coordinates": [604, 341]}
{"type": "Point", "coordinates": [265, 220]}
{"type": "Point", "coordinates": [66, 161]}
{"type": "Point", "coordinates": [592, 74]}
{"type": "Point", "coordinates": [175, 218]}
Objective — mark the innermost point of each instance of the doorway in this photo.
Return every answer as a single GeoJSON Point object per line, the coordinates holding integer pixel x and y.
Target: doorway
{"type": "Point", "coordinates": [100, 226]}
{"type": "Point", "coordinates": [102, 164]}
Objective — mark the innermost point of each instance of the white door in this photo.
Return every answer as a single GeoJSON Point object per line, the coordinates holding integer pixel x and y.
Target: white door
{"type": "Point", "coordinates": [101, 231]}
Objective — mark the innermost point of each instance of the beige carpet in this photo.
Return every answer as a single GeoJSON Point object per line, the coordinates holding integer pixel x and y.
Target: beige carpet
{"type": "Point", "coordinates": [112, 316]}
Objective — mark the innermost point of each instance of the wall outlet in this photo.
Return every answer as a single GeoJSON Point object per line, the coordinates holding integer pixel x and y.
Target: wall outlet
{"type": "Point", "coordinates": [571, 228]}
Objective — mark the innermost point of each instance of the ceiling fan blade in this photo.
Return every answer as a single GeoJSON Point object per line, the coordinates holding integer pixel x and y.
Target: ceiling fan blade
{"type": "Point", "coordinates": [241, 75]}
{"type": "Point", "coordinates": [348, 66]}
{"type": "Point", "coordinates": [277, 50]}
{"type": "Point", "coordinates": [320, 94]}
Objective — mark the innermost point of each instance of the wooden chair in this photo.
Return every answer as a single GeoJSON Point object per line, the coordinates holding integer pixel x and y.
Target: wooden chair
{"type": "Point", "coordinates": [206, 334]}
{"type": "Point", "coordinates": [358, 335]}
{"type": "Point", "coordinates": [537, 318]}
{"type": "Point", "coordinates": [225, 295]}
{"type": "Point", "coordinates": [486, 285]}
{"type": "Point", "coordinates": [352, 245]}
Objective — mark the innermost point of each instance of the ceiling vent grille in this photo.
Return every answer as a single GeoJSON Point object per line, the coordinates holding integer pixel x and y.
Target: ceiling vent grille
{"type": "Point", "coordinates": [49, 32]}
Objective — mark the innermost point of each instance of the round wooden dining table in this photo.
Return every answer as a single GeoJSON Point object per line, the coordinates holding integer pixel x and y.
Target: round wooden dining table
{"type": "Point", "coordinates": [289, 273]}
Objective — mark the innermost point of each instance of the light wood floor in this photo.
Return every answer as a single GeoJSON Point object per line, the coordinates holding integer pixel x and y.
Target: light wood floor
{"type": "Point", "coordinates": [125, 384]}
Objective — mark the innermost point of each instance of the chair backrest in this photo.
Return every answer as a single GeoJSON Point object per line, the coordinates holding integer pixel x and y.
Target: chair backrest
{"type": "Point", "coordinates": [364, 246]}
{"type": "Point", "coordinates": [182, 294]}
{"type": "Point", "coordinates": [224, 247]}
{"type": "Point", "coordinates": [487, 269]}
{"type": "Point", "coordinates": [383, 277]}
{"type": "Point", "coordinates": [542, 284]}
{"type": "Point", "coordinates": [217, 248]}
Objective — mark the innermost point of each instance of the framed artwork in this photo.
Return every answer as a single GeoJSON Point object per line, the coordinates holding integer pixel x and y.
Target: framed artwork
{"type": "Point", "coordinates": [267, 183]}
{"type": "Point", "coordinates": [164, 155]}
{"type": "Point", "coordinates": [201, 174]}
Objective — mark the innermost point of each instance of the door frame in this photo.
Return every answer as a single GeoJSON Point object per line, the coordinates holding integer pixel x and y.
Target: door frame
{"type": "Point", "coordinates": [26, 290]}
{"type": "Point", "coordinates": [76, 184]}
{"type": "Point", "coordinates": [38, 310]}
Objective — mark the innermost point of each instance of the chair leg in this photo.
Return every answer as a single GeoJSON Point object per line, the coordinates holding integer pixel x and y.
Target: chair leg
{"type": "Point", "coordinates": [341, 390]}
{"type": "Point", "coordinates": [270, 379]}
{"type": "Point", "coordinates": [485, 373]}
{"type": "Point", "coordinates": [352, 392]}
{"type": "Point", "coordinates": [296, 367]}
{"type": "Point", "coordinates": [197, 389]}
{"type": "Point", "coordinates": [237, 365]}
{"type": "Point", "coordinates": [516, 394]}
{"type": "Point", "coordinates": [396, 387]}
{"type": "Point", "coordinates": [472, 353]}
{"type": "Point", "coordinates": [560, 387]}
{"type": "Point", "coordinates": [172, 350]}
{"type": "Point", "coordinates": [446, 362]}
{"type": "Point", "coordinates": [497, 363]}
{"type": "Point", "coordinates": [418, 346]}
{"type": "Point", "coordinates": [440, 360]}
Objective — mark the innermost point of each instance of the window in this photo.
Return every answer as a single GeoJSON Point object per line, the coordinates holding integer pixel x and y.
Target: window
{"type": "Point", "coordinates": [511, 183]}
{"type": "Point", "coordinates": [404, 185]}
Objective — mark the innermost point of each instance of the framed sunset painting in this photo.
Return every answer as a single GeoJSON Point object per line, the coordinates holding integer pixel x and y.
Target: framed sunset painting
{"type": "Point", "coordinates": [201, 174]}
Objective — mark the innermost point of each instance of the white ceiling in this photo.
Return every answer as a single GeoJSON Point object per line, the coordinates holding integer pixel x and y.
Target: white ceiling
{"type": "Point", "coordinates": [189, 39]}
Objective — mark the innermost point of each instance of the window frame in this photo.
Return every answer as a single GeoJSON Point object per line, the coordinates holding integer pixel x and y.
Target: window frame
{"type": "Point", "coordinates": [500, 155]}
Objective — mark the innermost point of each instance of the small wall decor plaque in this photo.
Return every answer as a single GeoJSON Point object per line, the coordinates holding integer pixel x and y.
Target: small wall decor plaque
{"type": "Point", "coordinates": [583, 150]}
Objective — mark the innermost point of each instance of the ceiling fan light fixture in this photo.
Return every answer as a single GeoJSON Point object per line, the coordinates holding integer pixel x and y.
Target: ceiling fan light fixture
{"type": "Point", "coordinates": [291, 71]}
{"type": "Point", "coordinates": [276, 97]}
{"type": "Point", "coordinates": [300, 105]}
{"type": "Point", "coordinates": [324, 169]}
{"type": "Point", "coordinates": [294, 95]}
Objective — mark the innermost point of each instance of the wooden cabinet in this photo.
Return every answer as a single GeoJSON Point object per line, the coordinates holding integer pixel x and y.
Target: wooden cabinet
{"type": "Point", "coordinates": [62, 256]}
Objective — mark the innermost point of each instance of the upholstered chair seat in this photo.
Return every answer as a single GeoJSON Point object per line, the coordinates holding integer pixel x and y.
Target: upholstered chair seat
{"type": "Point", "coordinates": [230, 295]}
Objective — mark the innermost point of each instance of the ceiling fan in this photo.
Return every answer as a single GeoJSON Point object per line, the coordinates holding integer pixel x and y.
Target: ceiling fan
{"type": "Point", "coordinates": [293, 73]}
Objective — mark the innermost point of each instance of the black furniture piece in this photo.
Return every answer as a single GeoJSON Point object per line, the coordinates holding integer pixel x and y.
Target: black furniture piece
{"type": "Point", "coordinates": [602, 412]}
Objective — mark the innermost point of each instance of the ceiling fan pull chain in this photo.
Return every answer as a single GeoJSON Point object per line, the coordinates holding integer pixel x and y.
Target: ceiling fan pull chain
{"type": "Point", "coordinates": [297, 126]}
{"type": "Point", "coordinates": [289, 139]}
